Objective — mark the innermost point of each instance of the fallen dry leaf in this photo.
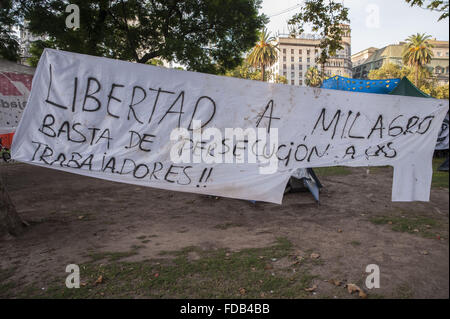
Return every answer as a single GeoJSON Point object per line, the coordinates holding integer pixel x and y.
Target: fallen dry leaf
{"type": "Point", "coordinates": [80, 217]}
{"type": "Point", "coordinates": [389, 222]}
{"type": "Point", "coordinates": [268, 267]}
{"type": "Point", "coordinates": [313, 288]}
{"type": "Point", "coordinates": [424, 252]}
{"type": "Point", "coordinates": [99, 280]}
{"type": "Point", "coordinates": [335, 282]}
{"type": "Point", "coordinates": [351, 288]}
{"type": "Point", "coordinates": [242, 291]}
{"type": "Point", "coordinates": [315, 256]}
{"type": "Point", "coordinates": [362, 294]}
{"type": "Point", "coordinates": [339, 230]}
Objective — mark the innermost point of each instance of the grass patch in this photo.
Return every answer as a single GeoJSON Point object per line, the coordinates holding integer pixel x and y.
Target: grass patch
{"type": "Point", "coordinates": [414, 225]}
{"type": "Point", "coordinates": [355, 243]}
{"type": "Point", "coordinates": [112, 256]}
{"type": "Point", "coordinates": [332, 171]}
{"type": "Point", "coordinates": [5, 284]}
{"type": "Point", "coordinates": [227, 225]}
{"type": "Point", "coordinates": [215, 274]}
{"type": "Point", "coordinates": [403, 291]}
{"type": "Point", "coordinates": [377, 169]}
{"type": "Point", "coordinates": [440, 179]}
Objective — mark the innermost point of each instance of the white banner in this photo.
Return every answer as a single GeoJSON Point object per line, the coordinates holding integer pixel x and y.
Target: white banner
{"type": "Point", "coordinates": [14, 92]}
{"type": "Point", "coordinates": [114, 120]}
{"type": "Point", "coordinates": [442, 141]}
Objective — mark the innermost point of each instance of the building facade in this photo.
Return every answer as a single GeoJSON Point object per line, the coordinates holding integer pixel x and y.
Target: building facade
{"type": "Point", "coordinates": [297, 54]}
{"type": "Point", "coordinates": [26, 38]}
{"type": "Point", "coordinates": [373, 58]}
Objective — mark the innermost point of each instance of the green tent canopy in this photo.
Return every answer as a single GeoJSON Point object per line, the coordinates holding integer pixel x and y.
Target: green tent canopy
{"type": "Point", "coordinates": [405, 87]}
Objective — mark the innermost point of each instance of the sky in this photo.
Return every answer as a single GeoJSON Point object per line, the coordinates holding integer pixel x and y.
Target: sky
{"type": "Point", "coordinates": [374, 23]}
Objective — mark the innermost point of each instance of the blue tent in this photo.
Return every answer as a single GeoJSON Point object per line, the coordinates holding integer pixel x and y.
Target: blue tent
{"type": "Point", "coordinates": [358, 85]}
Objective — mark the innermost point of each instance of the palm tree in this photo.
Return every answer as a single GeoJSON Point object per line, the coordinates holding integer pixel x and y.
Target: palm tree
{"type": "Point", "coordinates": [313, 77]}
{"type": "Point", "coordinates": [417, 53]}
{"type": "Point", "coordinates": [264, 53]}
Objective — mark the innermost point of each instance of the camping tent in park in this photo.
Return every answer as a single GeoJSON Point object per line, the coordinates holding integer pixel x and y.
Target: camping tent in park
{"type": "Point", "coordinates": [358, 85]}
{"type": "Point", "coordinates": [406, 88]}
{"type": "Point", "coordinates": [15, 87]}
{"type": "Point", "coordinates": [304, 179]}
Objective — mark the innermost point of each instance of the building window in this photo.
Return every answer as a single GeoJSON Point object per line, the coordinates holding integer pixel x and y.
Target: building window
{"type": "Point", "coordinates": [292, 66]}
{"type": "Point", "coordinates": [284, 58]}
{"type": "Point", "coordinates": [300, 82]}
{"type": "Point", "coordinates": [292, 82]}
{"type": "Point", "coordinates": [284, 66]}
{"type": "Point", "coordinates": [300, 59]}
{"type": "Point", "coordinates": [300, 75]}
{"type": "Point", "coordinates": [300, 51]}
{"type": "Point", "coordinates": [308, 60]}
{"type": "Point", "coordinates": [292, 75]}
{"type": "Point", "coordinates": [284, 51]}
{"type": "Point", "coordinates": [292, 51]}
{"type": "Point", "coordinates": [300, 67]}
{"type": "Point", "coordinates": [307, 52]}
{"type": "Point", "coordinates": [292, 58]}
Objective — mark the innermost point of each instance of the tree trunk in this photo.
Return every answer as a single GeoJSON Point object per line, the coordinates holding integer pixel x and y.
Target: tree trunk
{"type": "Point", "coordinates": [262, 72]}
{"type": "Point", "coordinates": [10, 222]}
{"type": "Point", "coordinates": [416, 79]}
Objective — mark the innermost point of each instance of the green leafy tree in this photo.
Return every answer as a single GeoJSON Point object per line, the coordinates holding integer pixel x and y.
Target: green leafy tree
{"type": "Point", "coordinates": [9, 45]}
{"type": "Point", "coordinates": [313, 77]}
{"type": "Point", "coordinates": [280, 79]}
{"type": "Point", "coordinates": [36, 49]}
{"type": "Point", "coordinates": [432, 88]}
{"type": "Point", "coordinates": [417, 53]}
{"type": "Point", "coordinates": [435, 5]}
{"type": "Point", "coordinates": [155, 62]}
{"type": "Point", "coordinates": [207, 36]}
{"type": "Point", "coordinates": [439, 92]}
{"type": "Point", "coordinates": [264, 53]}
{"type": "Point", "coordinates": [326, 18]}
{"type": "Point", "coordinates": [391, 70]}
{"type": "Point", "coordinates": [246, 71]}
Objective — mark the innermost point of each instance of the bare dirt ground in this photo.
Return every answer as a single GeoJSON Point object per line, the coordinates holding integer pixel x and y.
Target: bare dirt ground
{"type": "Point", "coordinates": [355, 224]}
